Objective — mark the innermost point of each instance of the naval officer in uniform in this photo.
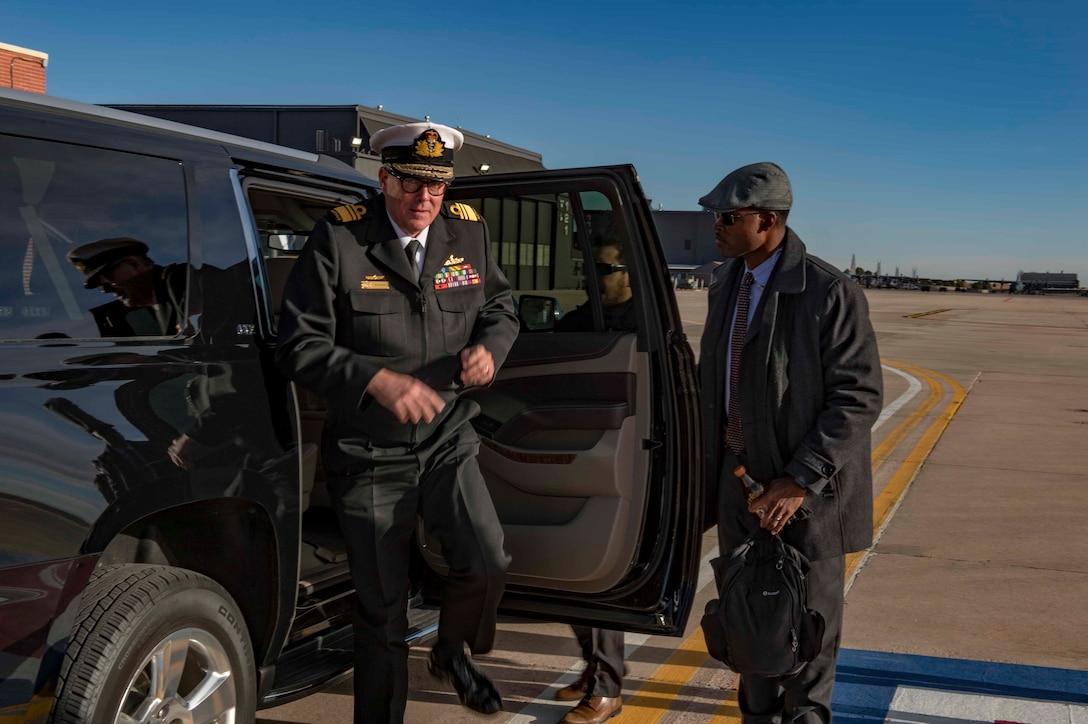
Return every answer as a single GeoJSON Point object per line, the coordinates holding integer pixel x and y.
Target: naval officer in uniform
{"type": "Point", "coordinates": [393, 309]}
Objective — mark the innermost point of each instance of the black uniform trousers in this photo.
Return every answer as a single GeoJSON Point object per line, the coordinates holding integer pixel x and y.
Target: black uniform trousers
{"type": "Point", "coordinates": [602, 650]}
{"type": "Point", "coordinates": [377, 505]}
{"type": "Point", "coordinates": [806, 696]}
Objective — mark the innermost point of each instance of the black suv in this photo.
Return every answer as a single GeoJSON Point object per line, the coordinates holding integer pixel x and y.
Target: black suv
{"type": "Point", "coordinates": [165, 535]}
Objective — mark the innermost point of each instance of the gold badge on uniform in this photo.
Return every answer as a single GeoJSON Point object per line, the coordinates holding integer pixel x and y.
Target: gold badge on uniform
{"type": "Point", "coordinates": [453, 260]}
{"type": "Point", "coordinates": [429, 144]}
{"type": "Point", "coordinates": [348, 213]}
{"type": "Point", "coordinates": [374, 281]}
{"type": "Point", "coordinates": [464, 212]}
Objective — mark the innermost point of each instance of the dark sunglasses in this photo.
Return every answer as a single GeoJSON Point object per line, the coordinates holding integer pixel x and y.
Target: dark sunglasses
{"type": "Point", "coordinates": [728, 219]}
{"type": "Point", "coordinates": [604, 269]}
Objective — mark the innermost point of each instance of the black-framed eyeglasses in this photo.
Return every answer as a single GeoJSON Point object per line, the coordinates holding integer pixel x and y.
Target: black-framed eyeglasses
{"type": "Point", "coordinates": [730, 218]}
{"type": "Point", "coordinates": [604, 268]}
{"type": "Point", "coordinates": [411, 184]}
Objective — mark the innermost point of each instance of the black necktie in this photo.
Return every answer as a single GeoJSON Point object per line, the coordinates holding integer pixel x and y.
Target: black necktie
{"type": "Point", "coordinates": [412, 250]}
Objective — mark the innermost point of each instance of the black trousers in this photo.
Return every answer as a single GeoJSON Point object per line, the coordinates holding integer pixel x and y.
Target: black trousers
{"type": "Point", "coordinates": [602, 650]}
{"type": "Point", "coordinates": [377, 505]}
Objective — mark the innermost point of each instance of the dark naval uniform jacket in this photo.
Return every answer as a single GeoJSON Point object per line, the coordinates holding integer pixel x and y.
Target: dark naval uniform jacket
{"type": "Point", "coordinates": [810, 390]}
{"type": "Point", "coordinates": [353, 304]}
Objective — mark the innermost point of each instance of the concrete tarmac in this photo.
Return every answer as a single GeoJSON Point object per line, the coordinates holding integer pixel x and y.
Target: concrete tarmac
{"type": "Point", "coordinates": [969, 607]}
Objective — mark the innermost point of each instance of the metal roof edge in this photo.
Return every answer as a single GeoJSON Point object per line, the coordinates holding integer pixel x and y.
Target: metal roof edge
{"type": "Point", "coordinates": [149, 122]}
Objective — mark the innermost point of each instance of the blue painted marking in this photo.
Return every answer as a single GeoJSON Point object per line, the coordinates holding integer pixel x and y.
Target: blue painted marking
{"type": "Point", "coordinates": [866, 681]}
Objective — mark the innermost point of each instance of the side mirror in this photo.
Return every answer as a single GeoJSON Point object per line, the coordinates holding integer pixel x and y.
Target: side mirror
{"type": "Point", "coordinates": [538, 313]}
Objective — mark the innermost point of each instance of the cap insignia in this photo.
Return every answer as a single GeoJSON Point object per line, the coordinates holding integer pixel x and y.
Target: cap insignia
{"type": "Point", "coordinates": [81, 265]}
{"type": "Point", "coordinates": [429, 144]}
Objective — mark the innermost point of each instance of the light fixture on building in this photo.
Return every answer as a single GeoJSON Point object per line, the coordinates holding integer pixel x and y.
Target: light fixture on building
{"type": "Point", "coordinates": [482, 168]}
{"type": "Point", "coordinates": [356, 141]}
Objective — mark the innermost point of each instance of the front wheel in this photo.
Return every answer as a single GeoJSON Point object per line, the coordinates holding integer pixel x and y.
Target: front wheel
{"type": "Point", "coordinates": [157, 644]}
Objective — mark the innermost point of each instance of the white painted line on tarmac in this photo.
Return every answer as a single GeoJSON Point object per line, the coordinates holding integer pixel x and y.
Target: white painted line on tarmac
{"type": "Point", "coordinates": [914, 386]}
{"type": "Point", "coordinates": [545, 707]}
{"type": "Point", "coordinates": [912, 704]}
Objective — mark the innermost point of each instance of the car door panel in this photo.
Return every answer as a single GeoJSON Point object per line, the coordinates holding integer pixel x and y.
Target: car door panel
{"type": "Point", "coordinates": [589, 443]}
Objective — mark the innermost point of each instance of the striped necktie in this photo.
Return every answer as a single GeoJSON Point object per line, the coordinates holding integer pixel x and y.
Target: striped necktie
{"type": "Point", "coordinates": [733, 435]}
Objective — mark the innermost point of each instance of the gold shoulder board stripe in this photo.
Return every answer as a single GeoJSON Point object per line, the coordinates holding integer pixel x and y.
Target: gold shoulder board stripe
{"type": "Point", "coordinates": [464, 212]}
{"type": "Point", "coordinates": [351, 212]}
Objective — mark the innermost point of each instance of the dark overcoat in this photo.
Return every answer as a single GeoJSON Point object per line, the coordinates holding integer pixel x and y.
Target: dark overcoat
{"type": "Point", "coordinates": [810, 391]}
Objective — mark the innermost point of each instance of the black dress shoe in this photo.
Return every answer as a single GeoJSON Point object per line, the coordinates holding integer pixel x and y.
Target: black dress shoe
{"type": "Point", "coordinates": [473, 687]}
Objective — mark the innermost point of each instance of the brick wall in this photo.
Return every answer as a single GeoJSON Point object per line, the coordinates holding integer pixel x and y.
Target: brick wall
{"type": "Point", "coordinates": [22, 69]}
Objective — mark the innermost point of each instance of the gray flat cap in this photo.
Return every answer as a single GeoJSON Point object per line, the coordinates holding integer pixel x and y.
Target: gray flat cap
{"type": "Point", "coordinates": [759, 186]}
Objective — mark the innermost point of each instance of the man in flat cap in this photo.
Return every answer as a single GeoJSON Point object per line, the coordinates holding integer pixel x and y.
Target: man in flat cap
{"type": "Point", "coordinates": [792, 385]}
{"type": "Point", "coordinates": [149, 297]}
{"type": "Point", "coordinates": [393, 309]}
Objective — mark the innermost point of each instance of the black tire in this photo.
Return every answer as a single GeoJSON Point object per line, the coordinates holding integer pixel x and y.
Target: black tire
{"type": "Point", "coordinates": [130, 618]}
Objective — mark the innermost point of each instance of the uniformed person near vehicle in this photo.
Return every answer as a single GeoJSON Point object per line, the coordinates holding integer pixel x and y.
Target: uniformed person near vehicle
{"type": "Point", "coordinates": [791, 384]}
{"type": "Point", "coordinates": [393, 309]}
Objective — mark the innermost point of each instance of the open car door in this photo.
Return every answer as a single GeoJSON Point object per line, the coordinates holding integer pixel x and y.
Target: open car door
{"type": "Point", "coordinates": [589, 438]}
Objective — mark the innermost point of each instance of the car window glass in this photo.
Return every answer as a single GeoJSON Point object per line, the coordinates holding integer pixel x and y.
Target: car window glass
{"type": "Point", "coordinates": [55, 198]}
{"type": "Point", "coordinates": [547, 245]}
{"type": "Point", "coordinates": [284, 219]}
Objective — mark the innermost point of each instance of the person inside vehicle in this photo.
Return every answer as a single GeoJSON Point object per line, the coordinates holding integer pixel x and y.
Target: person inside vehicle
{"type": "Point", "coordinates": [599, 687]}
{"type": "Point", "coordinates": [614, 284]}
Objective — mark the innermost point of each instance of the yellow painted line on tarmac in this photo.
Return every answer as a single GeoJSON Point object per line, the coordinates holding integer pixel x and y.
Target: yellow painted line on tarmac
{"type": "Point", "coordinates": [889, 498]}
{"type": "Point", "coordinates": [925, 314]}
{"type": "Point", "coordinates": [896, 436]}
{"type": "Point", "coordinates": [652, 700]}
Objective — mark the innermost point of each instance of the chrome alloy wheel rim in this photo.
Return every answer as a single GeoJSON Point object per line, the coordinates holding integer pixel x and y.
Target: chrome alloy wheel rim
{"type": "Point", "coordinates": [186, 679]}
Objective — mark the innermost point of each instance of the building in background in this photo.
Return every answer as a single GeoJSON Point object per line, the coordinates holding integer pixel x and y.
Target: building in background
{"type": "Point", "coordinates": [340, 131]}
{"type": "Point", "coordinates": [1046, 282]}
{"type": "Point", "coordinates": [22, 69]}
{"type": "Point", "coordinates": [688, 240]}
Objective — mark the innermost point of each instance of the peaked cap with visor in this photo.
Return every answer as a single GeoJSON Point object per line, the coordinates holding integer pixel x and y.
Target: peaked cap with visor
{"type": "Point", "coordinates": [421, 150]}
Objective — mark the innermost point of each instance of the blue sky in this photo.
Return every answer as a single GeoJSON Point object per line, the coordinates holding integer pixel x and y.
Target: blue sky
{"type": "Point", "coordinates": [943, 136]}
